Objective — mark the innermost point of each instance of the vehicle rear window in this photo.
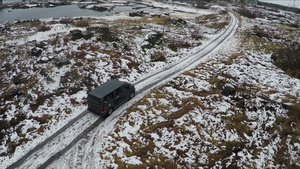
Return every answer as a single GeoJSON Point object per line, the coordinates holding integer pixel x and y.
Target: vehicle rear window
{"type": "Point", "coordinates": [94, 99]}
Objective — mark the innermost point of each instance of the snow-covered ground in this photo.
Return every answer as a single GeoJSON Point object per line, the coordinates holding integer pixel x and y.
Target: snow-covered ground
{"type": "Point", "coordinates": [186, 122]}
{"type": "Point", "coordinates": [189, 123]}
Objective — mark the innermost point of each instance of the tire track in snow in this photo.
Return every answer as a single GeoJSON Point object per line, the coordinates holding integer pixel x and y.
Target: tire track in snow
{"type": "Point", "coordinates": [46, 141]}
{"type": "Point", "coordinates": [151, 81]}
{"type": "Point", "coordinates": [183, 63]}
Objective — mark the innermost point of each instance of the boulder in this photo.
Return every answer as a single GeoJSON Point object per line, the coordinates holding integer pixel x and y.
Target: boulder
{"type": "Point", "coordinates": [59, 91]}
{"type": "Point", "coordinates": [44, 59]}
{"type": "Point", "coordinates": [69, 77]}
{"type": "Point", "coordinates": [93, 28]}
{"type": "Point", "coordinates": [227, 91]}
{"type": "Point", "coordinates": [4, 28]}
{"type": "Point", "coordinates": [76, 34]}
{"type": "Point", "coordinates": [88, 36]}
{"type": "Point", "coordinates": [49, 79]}
{"type": "Point", "coordinates": [16, 80]}
{"type": "Point", "coordinates": [43, 72]}
{"type": "Point", "coordinates": [42, 45]}
{"type": "Point", "coordinates": [178, 21]}
{"type": "Point", "coordinates": [19, 80]}
{"type": "Point", "coordinates": [74, 90]}
{"type": "Point", "coordinates": [103, 30]}
{"type": "Point", "coordinates": [79, 64]}
{"type": "Point", "coordinates": [138, 14]}
{"type": "Point", "coordinates": [36, 51]}
{"type": "Point", "coordinates": [155, 38]}
{"type": "Point", "coordinates": [75, 31]}
{"type": "Point", "coordinates": [28, 99]}
{"type": "Point", "coordinates": [99, 8]}
{"type": "Point", "coordinates": [62, 62]}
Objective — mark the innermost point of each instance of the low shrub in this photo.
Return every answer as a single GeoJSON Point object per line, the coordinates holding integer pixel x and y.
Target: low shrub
{"type": "Point", "coordinates": [158, 56]}
{"type": "Point", "coordinates": [82, 23]}
{"type": "Point", "coordinates": [35, 23]}
{"type": "Point", "coordinates": [66, 20]}
{"type": "Point", "coordinates": [184, 110]}
{"type": "Point", "coordinates": [43, 28]}
{"type": "Point", "coordinates": [44, 119]}
{"type": "Point", "coordinates": [247, 13]}
{"type": "Point", "coordinates": [176, 44]}
{"type": "Point", "coordinates": [4, 125]}
{"type": "Point", "coordinates": [197, 35]}
{"type": "Point", "coordinates": [132, 64]}
{"type": "Point", "coordinates": [288, 59]}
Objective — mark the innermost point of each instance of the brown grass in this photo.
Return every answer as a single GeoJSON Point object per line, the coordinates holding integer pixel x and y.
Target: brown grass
{"type": "Point", "coordinates": [290, 126]}
{"type": "Point", "coordinates": [184, 110]}
{"type": "Point", "coordinates": [42, 120]}
{"type": "Point", "coordinates": [43, 28]}
{"type": "Point", "coordinates": [164, 124]}
{"type": "Point", "coordinates": [145, 19]}
{"type": "Point", "coordinates": [189, 73]}
{"type": "Point", "coordinates": [197, 34]}
{"type": "Point", "coordinates": [158, 56]}
{"type": "Point", "coordinates": [66, 20]}
{"type": "Point", "coordinates": [218, 25]}
{"type": "Point", "coordinates": [82, 23]}
{"type": "Point", "coordinates": [176, 44]}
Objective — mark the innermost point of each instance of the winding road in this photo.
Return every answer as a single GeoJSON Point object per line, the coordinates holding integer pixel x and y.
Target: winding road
{"type": "Point", "coordinates": [64, 139]}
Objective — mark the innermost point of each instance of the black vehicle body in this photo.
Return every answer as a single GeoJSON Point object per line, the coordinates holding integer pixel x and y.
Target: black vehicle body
{"type": "Point", "coordinates": [106, 98]}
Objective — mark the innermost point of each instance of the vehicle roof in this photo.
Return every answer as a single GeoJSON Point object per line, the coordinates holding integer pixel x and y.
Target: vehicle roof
{"type": "Point", "coordinates": [106, 88]}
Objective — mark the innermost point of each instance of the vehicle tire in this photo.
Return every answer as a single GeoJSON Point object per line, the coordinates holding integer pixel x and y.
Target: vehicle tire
{"type": "Point", "coordinates": [131, 95]}
{"type": "Point", "coordinates": [110, 111]}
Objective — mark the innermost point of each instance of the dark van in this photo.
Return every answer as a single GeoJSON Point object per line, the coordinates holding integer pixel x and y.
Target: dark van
{"type": "Point", "coordinates": [109, 96]}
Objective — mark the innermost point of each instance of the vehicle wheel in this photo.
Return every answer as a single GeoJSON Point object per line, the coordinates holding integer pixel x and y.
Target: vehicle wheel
{"type": "Point", "coordinates": [110, 111]}
{"type": "Point", "coordinates": [131, 95]}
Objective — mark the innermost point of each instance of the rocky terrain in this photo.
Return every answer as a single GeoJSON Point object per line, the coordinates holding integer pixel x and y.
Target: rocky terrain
{"type": "Point", "coordinates": [236, 109]}
{"type": "Point", "coordinates": [48, 65]}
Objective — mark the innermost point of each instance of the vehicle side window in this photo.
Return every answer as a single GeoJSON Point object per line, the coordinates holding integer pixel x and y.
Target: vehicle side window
{"type": "Point", "coordinates": [108, 98]}
{"type": "Point", "coordinates": [114, 94]}
{"type": "Point", "coordinates": [120, 90]}
{"type": "Point", "coordinates": [126, 86]}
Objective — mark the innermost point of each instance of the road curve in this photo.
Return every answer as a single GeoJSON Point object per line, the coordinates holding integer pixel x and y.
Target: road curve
{"type": "Point", "coordinates": [151, 81]}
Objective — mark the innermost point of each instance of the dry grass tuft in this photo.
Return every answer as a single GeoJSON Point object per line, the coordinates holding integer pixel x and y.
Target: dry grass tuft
{"type": "Point", "coordinates": [82, 23]}
{"type": "Point", "coordinates": [43, 28]}
{"type": "Point", "coordinates": [184, 110]}
{"type": "Point", "coordinates": [44, 119]}
{"type": "Point", "coordinates": [66, 20]}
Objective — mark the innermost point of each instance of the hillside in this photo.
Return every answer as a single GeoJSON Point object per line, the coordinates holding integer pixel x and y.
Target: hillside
{"type": "Point", "coordinates": [236, 109]}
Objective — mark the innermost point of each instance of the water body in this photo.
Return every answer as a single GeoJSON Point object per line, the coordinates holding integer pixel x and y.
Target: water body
{"type": "Point", "coordinates": [288, 3]}
{"type": "Point", "coordinates": [9, 14]}
{"type": "Point", "coordinates": [10, 1]}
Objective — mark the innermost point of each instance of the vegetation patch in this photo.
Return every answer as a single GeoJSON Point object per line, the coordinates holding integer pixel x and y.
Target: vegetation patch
{"type": "Point", "coordinates": [288, 59]}
{"type": "Point", "coordinates": [259, 44]}
{"type": "Point", "coordinates": [43, 28]}
{"type": "Point", "coordinates": [248, 13]}
{"type": "Point", "coordinates": [177, 44]}
{"type": "Point", "coordinates": [220, 130]}
{"type": "Point", "coordinates": [66, 20]}
{"type": "Point", "coordinates": [158, 56]}
{"type": "Point", "coordinates": [145, 19]}
{"type": "Point", "coordinates": [82, 23]}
